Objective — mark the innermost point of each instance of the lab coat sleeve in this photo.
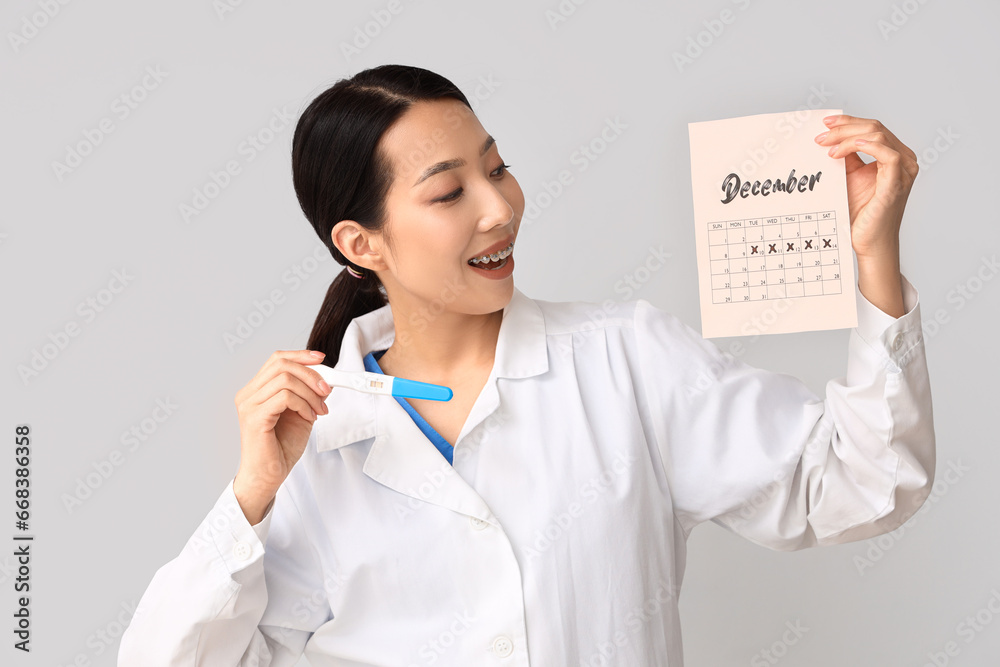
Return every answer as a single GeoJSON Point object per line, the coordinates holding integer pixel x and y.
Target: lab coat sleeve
{"type": "Point", "coordinates": [758, 453]}
{"type": "Point", "coordinates": [206, 606]}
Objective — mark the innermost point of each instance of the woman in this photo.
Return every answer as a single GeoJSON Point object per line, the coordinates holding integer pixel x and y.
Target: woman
{"type": "Point", "coordinates": [542, 512]}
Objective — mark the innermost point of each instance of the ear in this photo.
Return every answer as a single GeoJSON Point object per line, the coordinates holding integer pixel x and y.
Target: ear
{"type": "Point", "coordinates": [359, 245]}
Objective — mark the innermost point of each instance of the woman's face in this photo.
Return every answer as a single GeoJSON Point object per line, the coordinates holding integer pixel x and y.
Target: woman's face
{"type": "Point", "coordinates": [442, 215]}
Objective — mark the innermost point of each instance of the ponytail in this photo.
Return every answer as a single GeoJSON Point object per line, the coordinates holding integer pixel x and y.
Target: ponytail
{"type": "Point", "coordinates": [347, 297]}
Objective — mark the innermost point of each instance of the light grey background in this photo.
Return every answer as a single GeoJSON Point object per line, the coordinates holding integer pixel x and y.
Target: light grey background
{"type": "Point", "coordinates": [888, 601]}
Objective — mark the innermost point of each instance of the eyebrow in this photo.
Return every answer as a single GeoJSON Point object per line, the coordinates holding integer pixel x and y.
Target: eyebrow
{"type": "Point", "coordinates": [452, 164]}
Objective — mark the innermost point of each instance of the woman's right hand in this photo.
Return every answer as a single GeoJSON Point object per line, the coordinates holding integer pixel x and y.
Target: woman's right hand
{"type": "Point", "coordinates": [276, 409]}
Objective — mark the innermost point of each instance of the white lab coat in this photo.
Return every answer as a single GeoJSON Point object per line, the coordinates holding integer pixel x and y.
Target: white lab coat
{"type": "Point", "coordinates": [604, 434]}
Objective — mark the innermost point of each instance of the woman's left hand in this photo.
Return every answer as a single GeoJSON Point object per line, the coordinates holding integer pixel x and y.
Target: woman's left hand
{"type": "Point", "coordinates": [877, 191]}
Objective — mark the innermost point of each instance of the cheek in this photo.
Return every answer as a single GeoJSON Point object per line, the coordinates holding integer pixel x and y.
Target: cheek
{"type": "Point", "coordinates": [442, 253]}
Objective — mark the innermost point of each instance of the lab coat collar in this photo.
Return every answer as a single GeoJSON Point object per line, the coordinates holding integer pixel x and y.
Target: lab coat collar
{"type": "Point", "coordinates": [401, 457]}
{"type": "Point", "coordinates": [521, 352]}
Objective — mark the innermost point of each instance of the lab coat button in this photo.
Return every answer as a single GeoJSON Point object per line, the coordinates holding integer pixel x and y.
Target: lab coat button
{"type": "Point", "coordinates": [242, 550]}
{"type": "Point", "coordinates": [502, 646]}
{"type": "Point", "coordinates": [897, 342]}
{"type": "Point", "coordinates": [478, 523]}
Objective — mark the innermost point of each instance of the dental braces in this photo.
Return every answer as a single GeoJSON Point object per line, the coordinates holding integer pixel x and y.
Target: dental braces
{"type": "Point", "coordinates": [496, 257]}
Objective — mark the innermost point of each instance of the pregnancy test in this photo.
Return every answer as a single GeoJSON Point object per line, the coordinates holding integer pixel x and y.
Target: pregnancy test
{"type": "Point", "coordinates": [378, 383]}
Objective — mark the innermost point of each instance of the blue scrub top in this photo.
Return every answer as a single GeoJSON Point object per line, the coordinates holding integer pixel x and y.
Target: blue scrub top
{"type": "Point", "coordinates": [443, 446]}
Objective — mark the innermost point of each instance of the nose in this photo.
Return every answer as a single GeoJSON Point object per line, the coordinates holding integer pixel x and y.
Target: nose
{"type": "Point", "coordinates": [496, 210]}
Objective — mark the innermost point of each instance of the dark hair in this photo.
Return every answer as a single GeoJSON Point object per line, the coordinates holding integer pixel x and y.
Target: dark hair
{"type": "Point", "coordinates": [341, 172]}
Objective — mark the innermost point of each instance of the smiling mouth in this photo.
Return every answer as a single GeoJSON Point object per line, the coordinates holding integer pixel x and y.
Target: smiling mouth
{"type": "Point", "coordinates": [494, 260]}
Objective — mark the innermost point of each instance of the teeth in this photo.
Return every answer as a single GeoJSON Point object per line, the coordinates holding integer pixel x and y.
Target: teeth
{"type": "Point", "coordinates": [495, 257]}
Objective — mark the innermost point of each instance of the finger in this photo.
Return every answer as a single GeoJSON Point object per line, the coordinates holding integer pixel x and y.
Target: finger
{"type": "Point", "coordinates": [852, 161]}
{"type": "Point", "coordinates": [288, 375]}
{"type": "Point", "coordinates": [891, 166]}
{"type": "Point", "coordinates": [285, 399]}
{"type": "Point", "coordinates": [847, 121]}
{"type": "Point", "coordinates": [896, 163]}
{"type": "Point", "coordinates": [838, 119]}
{"type": "Point", "coordinates": [273, 365]}
{"type": "Point", "coordinates": [309, 377]}
{"type": "Point", "coordinates": [295, 380]}
{"type": "Point", "coordinates": [853, 126]}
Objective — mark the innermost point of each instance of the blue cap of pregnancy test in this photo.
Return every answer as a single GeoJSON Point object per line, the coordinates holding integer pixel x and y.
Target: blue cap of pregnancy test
{"type": "Point", "coordinates": [416, 389]}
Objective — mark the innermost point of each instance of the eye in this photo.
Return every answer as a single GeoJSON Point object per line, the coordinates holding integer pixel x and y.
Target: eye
{"type": "Point", "coordinates": [458, 193]}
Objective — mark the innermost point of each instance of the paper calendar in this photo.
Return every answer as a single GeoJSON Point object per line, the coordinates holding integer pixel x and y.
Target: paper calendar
{"type": "Point", "coordinates": [772, 226]}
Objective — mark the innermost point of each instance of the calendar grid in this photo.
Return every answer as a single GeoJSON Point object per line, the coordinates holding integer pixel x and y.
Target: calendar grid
{"type": "Point", "coordinates": [774, 257]}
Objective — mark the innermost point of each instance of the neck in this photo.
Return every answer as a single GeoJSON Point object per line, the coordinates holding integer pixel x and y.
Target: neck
{"type": "Point", "coordinates": [440, 348]}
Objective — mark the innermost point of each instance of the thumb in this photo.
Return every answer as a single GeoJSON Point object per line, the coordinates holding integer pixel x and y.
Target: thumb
{"type": "Point", "coordinates": [853, 161]}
